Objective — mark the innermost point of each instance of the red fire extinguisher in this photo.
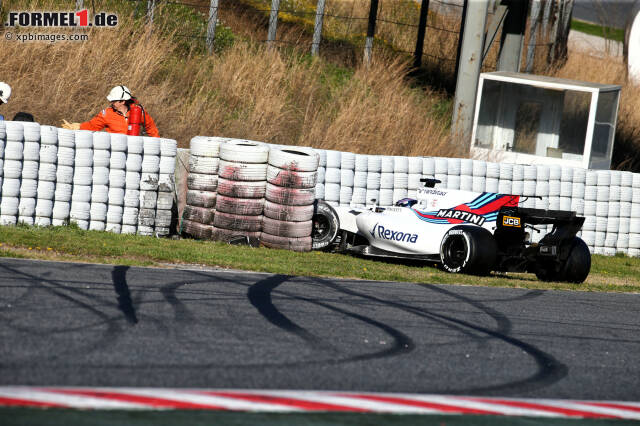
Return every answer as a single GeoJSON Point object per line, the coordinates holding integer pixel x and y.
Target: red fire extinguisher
{"type": "Point", "coordinates": [135, 120]}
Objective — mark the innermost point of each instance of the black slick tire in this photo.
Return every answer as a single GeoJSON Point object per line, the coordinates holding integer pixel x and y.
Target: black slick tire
{"type": "Point", "coordinates": [325, 225]}
{"type": "Point", "coordinates": [468, 250]}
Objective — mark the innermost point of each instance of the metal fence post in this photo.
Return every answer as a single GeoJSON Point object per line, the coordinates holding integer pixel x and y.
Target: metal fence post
{"type": "Point", "coordinates": [151, 6]}
{"type": "Point", "coordinates": [273, 22]}
{"type": "Point", "coordinates": [469, 72]}
{"type": "Point", "coordinates": [371, 31]}
{"type": "Point", "coordinates": [317, 29]}
{"type": "Point", "coordinates": [513, 36]}
{"type": "Point", "coordinates": [422, 29]}
{"type": "Point", "coordinates": [79, 4]}
{"type": "Point", "coordinates": [211, 25]}
{"type": "Point", "coordinates": [533, 28]}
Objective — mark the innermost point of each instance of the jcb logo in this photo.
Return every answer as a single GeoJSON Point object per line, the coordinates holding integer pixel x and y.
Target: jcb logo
{"type": "Point", "coordinates": [511, 221]}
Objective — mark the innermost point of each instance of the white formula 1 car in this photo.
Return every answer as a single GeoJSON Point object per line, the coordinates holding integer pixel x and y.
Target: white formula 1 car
{"type": "Point", "coordinates": [467, 232]}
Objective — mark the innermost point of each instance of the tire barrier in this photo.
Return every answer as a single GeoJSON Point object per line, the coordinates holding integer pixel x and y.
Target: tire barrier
{"type": "Point", "coordinates": [51, 176]}
{"type": "Point", "coordinates": [202, 183]}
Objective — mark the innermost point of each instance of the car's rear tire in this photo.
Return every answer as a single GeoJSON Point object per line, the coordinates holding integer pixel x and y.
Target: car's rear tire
{"type": "Point", "coordinates": [469, 250]}
{"type": "Point", "coordinates": [574, 270]}
{"type": "Point", "coordinates": [326, 225]}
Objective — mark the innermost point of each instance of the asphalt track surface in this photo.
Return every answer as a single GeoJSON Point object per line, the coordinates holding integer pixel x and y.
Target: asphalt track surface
{"type": "Point", "coordinates": [65, 324]}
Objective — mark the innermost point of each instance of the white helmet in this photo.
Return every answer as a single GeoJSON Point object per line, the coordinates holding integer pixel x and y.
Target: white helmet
{"type": "Point", "coordinates": [119, 93]}
{"type": "Point", "coordinates": [5, 92]}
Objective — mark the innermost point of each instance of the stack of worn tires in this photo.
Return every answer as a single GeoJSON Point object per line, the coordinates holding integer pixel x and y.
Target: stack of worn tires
{"type": "Point", "coordinates": [12, 173]}
{"type": "Point", "coordinates": [29, 182]}
{"type": "Point", "coordinates": [241, 189]}
{"type": "Point", "coordinates": [202, 182]}
{"type": "Point", "coordinates": [100, 181]}
{"type": "Point", "coordinates": [133, 176]}
{"type": "Point", "coordinates": [64, 177]}
{"type": "Point", "coordinates": [48, 158]}
{"type": "Point", "coordinates": [166, 186]}
{"type": "Point", "coordinates": [149, 185]}
{"type": "Point", "coordinates": [290, 196]}
{"type": "Point", "coordinates": [117, 180]}
{"type": "Point", "coordinates": [82, 179]}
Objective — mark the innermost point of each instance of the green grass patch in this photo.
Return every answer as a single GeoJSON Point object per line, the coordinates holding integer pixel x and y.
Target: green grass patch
{"type": "Point", "coordinates": [72, 244]}
{"type": "Point", "coordinates": [609, 33]}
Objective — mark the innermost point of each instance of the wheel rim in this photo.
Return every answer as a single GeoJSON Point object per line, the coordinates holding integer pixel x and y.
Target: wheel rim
{"type": "Point", "coordinates": [455, 251]}
{"type": "Point", "coordinates": [321, 227]}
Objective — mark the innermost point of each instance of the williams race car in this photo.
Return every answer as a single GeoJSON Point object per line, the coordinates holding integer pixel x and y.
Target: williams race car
{"type": "Point", "coordinates": [466, 232]}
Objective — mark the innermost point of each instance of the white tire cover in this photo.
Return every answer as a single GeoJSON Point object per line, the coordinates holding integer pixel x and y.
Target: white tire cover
{"type": "Point", "coordinates": [331, 192]}
{"type": "Point", "coordinates": [591, 178]}
{"type": "Point", "coordinates": [204, 146]}
{"type": "Point", "coordinates": [116, 228]}
{"type": "Point", "coordinates": [415, 165]}
{"type": "Point", "coordinates": [199, 214]}
{"type": "Point", "coordinates": [202, 182]}
{"type": "Point", "coordinates": [81, 193]}
{"type": "Point", "coordinates": [26, 220]}
{"type": "Point", "coordinates": [288, 213]}
{"type": "Point", "coordinates": [61, 210]}
{"type": "Point", "coordinates": [117, 178]}
{"type": "Point", "coordinates": [165, 201]}
{"type": "Point", "coordinates": [114, 213]}
{"type": "Point", "coordinates": [100, 176]}
{"type": "Point", "coordinates": [117, 160]}
{"type": "Point", "coordinates": [133, 163]}
{"type": "Point", "coordinates": [480, 168]}
{"type": "Point", "coordinates": [118, 142]}
{"type": "Point", "coordinates": [466, 183]}
{"type": "Point", "coordinates": [237, 222]}
{"type": "Point", "coordinates": [46, 190]}
{"type": "Point", "coordinates": [290, 196]}
{"type": "Point", "coordinates": [149, 181]}
{"type": "Point", "coordinates": [201, 198]}
{"type": "Point", "coordinates": [31, 131]}
{"type": "Point", "coordinates": [204, 165]}
{"type": "Point", "coordinates": [492, 185]}
{"type": "Point", "coordinates": [374, 163]}
{"type": "Point", "coordinates": [48, 135]}
{"type": "Point", "coordinates": [320, 191]}
{"type": "Point", "coordinates": [291, 178]}
{"type": "Point", "coordinates": [80, 210]}
{"type": "Point", "coordinates": [386, 180]}
{"type": "Point", "coordinates": [98, 212]}
{"type": "Point", "coordinates": [135, 144]}
{"type": "Point", "coordinates": [12, 169]}
{"type": "Point", "coordinates": [167, 165]}
{"type": "Point", "coordinates": [286, 243]}
{"type": "Point", "coordinates": [7, 220]}
{"type": "Point", "coordinates": [543, 173]}
{"type": "Point", "coordinates": [14, 130]}
{"type": "Point", "coordinates": [150, 164]}
{"type": "Point", "coordinates": [360, 179]}
{"type": "Point", "coordinates": [27, 207]}
{"type": "Point", "coordinates": [82, 175]}
{"type": "Point", "coordinates": [128, 229]}
{"type": "Point", "coordinates": [66, 156]}
{"type": "Point", "coordinates": [13, 150]}
{"type": "Point", "coordinates": [10, 187]}
{"type": "Point", "coordinates": [240, 171]}
{"type": "Point", "coordinates": [286, 229]}
{"type": "Point", "coordinates": [386, 197]}
{"type": "Point", "coordinates": [83, 139]}
{"type": "Point", "coordinates": [168, 147]}
{"type": "Point", "coordinates": [116, 196]}
{"type": "Point", "coordinates": [66, 138]}
{"type": "Point", "coordinates": [146, 218]}
{"type": "Point", "coordinates": [30, 170]}
{"type": "Point", "coordinates": [148, 199]}
{"type": "Point", "coordinates": [386, 165]}
{"type": "Point", "coordinates": [615, 177]}
{"type": "Point", "coordinates": [130, 216]}
{"type": "Point", "coordinates": [163, 218]}
{"type": "Point", "coordinates": [400, 164]}
{"type": "Point", "coordinates": [9, 206]}
{"type": "Point", "coordinates": [151, 146]}
{"type": "Point", "coordinates": [322, 154]}
{"type": "Point", "coordinates": [240, 189]}
{"type": "Point", "coordinates": [359, 196]}
{"type": "Point", "coordinates": [244, 151]}
{"type": "Point", "coordinates": [28, 188]}
{"type": "Point", "coordinates": [347, 161]}
{"type": "Point", "coordinates": [48, 154]}
{"type": "Point", "coordinates": [504, 186]}
{"type": "Point", "coordinates": [554, 188]}
{"type": "Point", "coordinates": [361, 162]}
{"type": "Point", "coordinates": [373, 180]}
{"type": "Point", "coordinates": [346, 177]}
{"type": "Point", "coordinates": [95, 225]}
{"type": "Point", "coordinates": [42, 221]}
{"type": "Point", "coordinates": [346, 193]}
{"type": "Point", "coordinates": [101, 141]}
{"type": "Point", "coordinates": [493, 170]}
{"type": "Point", "coordinates": [241, 206]}
{"type": "Point", "coordinates": [132, 180]}
{"type": "Point", "coordinates": [132, 198]}
{"type": "Point", "coordinates": [31, 151]}
{"type": "Point", "coordinates": [63, 191]}
{"type": "Point", "coordinates": [401, 180]}
{"type": "Point", "coordinates": [333, 159]}
{"type": "Point", "coordinates": [165, 182]}
{"type": "Point", "coordinates": [332, 175]}
{"type": "Point", "coordinates": [99, 194]}
{"type": "Point", "coordinates": [294, 158]}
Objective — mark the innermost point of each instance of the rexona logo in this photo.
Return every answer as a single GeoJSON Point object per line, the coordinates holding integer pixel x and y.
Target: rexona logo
{"type": "Point", "coordinates": [381, 232]}
{"type": "Point", "coordinates": [458, 214]}
{"type": "Point", "coordinates": [61, 19]}
{"type": "Point", "coordinates": [511, 221]}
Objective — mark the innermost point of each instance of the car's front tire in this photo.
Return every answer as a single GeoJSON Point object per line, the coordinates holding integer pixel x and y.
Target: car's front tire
{"type": "Point", "coordinates": [326, 225]}
{"type": "Point", "coordinates": [469, 250]}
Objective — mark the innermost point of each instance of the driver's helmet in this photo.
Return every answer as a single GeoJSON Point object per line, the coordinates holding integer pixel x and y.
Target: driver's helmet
{"type": "Point", "coordinates": [406, 202]}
